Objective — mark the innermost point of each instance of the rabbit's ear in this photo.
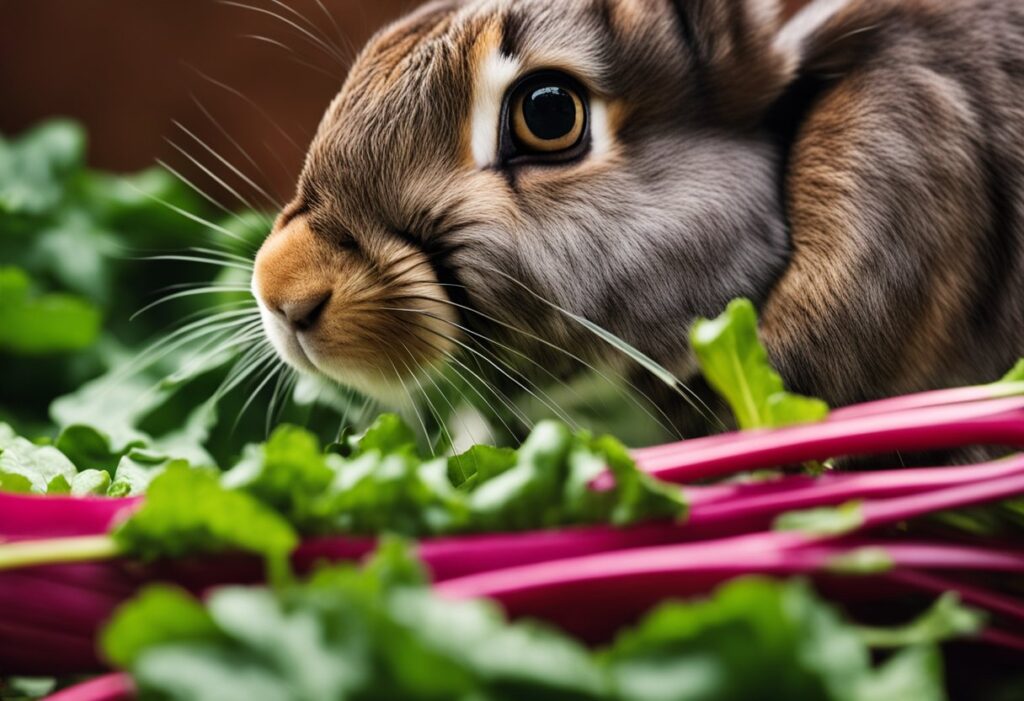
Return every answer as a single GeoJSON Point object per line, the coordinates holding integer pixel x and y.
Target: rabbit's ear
{"type": "Point", "coordinates": [747, 58]}
{"type": "Point", "coordinates": [735, 60]}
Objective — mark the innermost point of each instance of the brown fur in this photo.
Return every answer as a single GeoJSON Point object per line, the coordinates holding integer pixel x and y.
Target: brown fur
{"type": "Point", "coordinates": [859, 177]}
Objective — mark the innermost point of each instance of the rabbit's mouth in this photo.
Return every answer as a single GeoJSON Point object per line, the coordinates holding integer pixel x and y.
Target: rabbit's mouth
{"type": "Point", "coordinates": [375, 320]}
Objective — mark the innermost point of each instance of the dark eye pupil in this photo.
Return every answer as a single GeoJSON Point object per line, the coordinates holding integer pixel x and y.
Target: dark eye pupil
{"type": "Point", "coordinates": [550, 112]}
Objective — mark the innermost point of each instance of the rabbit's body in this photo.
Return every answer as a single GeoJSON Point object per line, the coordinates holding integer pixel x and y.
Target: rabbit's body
{"type": "Point", "coordinates": [905, 199]}
{"type": "Point", "coordinates": [859, 174]}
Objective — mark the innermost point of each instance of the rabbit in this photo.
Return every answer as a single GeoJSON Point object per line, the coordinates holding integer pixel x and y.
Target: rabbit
{"type": "Point", "coordinates": [492, 171]}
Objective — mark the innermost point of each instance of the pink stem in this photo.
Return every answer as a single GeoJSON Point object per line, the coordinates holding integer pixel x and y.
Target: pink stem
{"type": "Point", "coordinates": [28, 516]}
{"type": "Point", "coordinates": [921, 400]}
{"type": "Point", "coordinates": [996, 422]}
{"type": "Point", "coordinates": [994, 636]}
{"type": "Point", "coordinates": [976, 596]}
{"type": "Point", "coordinates": [112, 687]}
{"type": "Point", "coordinates": [725, 502]}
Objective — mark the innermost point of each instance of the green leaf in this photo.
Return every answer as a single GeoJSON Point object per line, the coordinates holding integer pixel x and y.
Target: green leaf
{"type": "Point", "coordinates": [160, 615]}
{"type": "Point", "coordinates": [187, 511]}
{"type": "Point", "coordinates": [388, 434]}
{"type": "Point", "coordinates": [35, 325]}
{"type": "Point", "coordinates": [862, 561]}
{"type": "Point", "coordinates": [825, 521]}
{"type": "Point", "coordinates": [479, 464]}
{"type": "Point", "coordinates": [915, 673]}
{"type": "Point", "coordinates": [22, 461]}
{"type": "Point", "coordinates": [134, 474]}
{"type": "Point", "coordinates": [752, 635]}
{"type": "Point", "coordinates": [1016, 374]}
{"type": "Point", "coordinates": [33, 169]}
{"type": "Point", "coordinates": [25, 688]}
{"type": "Point", "coordinates": [524, 495]}
{"type": "Point", "coordinates": [736, 364]}
{"type": "Point", "coordinates": [947, 619]}
{"type": "Point", "coordinates": [90, 482]}
{"type": "Point", "coordinates": [90, 449]}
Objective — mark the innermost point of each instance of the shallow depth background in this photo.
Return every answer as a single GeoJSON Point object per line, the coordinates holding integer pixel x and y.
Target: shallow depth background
{"type": "Point", "coordinates": [128, 68]}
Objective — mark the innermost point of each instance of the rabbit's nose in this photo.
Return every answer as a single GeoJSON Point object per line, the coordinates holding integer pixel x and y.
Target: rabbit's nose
{"type": "Point", "coordinates": [302, 314]}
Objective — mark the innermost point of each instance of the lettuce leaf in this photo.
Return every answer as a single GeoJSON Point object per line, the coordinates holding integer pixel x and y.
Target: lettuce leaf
{"type": "Point", "coordinates": [736, 365]}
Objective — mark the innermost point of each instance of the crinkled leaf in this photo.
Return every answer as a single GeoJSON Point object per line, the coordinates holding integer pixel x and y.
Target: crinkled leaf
{"type": "Point", "coordinates": [21, 461]}
{"type": "Point", "coordinates": [90, 483]}
{"type": "Point", "coordinates": [134, 474]}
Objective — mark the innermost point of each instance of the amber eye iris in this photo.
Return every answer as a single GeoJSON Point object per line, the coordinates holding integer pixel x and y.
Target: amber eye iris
{"type": "Point", "coordinates": [547, 118]}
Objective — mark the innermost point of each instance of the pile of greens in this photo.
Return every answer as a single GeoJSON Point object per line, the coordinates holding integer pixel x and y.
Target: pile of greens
{"type": "Point", "coordinates": [88, 408]}
{"type": "Point", "coordinates": [380, 634]}
{"type": "Point", "coordinates": [81, 367]}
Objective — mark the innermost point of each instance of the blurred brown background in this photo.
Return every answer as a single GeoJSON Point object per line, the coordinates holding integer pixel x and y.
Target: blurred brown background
{"type": "Point", "coordinates": [128, 69]}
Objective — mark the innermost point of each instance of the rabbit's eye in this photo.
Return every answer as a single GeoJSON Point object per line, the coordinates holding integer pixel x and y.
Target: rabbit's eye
{"type": "Point", "coordinates": [547, 116]}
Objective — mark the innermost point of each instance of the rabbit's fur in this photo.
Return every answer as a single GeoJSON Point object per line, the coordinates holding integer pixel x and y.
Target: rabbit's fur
{"type": "Point", "coordinates": [858, 172]}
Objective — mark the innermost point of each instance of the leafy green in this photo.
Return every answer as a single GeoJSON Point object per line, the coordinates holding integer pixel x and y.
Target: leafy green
{"type": "Point", "coordinates": [32, 325]}
{"type": "Point", "coordinates": [25, 688]}
{"type": "Point", "coordinates": [378, 633]}
{"type": "Point", "coordinates": [945, 620]}
{"type": "Point", "coordinates": [1016, 374]}
{"type": "Point", "coordinates": [187, 511]}
{"type": "Point", "coordinates": [824, 521]}
{"type": "Point", "coordinates": [26, 467]}
{"type": "Point", "coordinates": [736, 364]}
{"type": "Point", "coordinates": [32, 169]}
{"type": "Point", "coordinates": [385, 486]}
{"type": "Point", "coordinates": [759, 639]}
{"type": "Point", "coordinates": [160, 615]}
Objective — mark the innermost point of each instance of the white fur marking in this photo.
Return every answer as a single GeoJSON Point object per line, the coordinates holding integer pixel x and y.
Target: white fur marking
{"type": "Point", "coordinates": [601, 140]}
{"type": "Point", "coordinates": [494, 75]}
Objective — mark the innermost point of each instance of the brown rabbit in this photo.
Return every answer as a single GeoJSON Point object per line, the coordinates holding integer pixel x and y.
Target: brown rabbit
{"type": "Point", "coordinates": [858, 172]}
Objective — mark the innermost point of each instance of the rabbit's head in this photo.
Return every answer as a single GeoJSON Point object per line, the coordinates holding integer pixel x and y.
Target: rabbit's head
{"type": "Point", "coordinates": [492, 167]}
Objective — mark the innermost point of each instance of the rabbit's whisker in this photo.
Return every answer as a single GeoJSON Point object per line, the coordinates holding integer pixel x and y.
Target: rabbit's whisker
{"type": "Point", "coordinates": [293, 55]}
{"type": "Point", "coordinates": [227, 164]}
{"type": "Point", "coordinates": [307, 35]}
{"type": "Point", "coordinates": [539, 395]}
{"type": "Point", "coordinates": [220, 181]}
{"type": "Point", "coordinates": [275, 202]}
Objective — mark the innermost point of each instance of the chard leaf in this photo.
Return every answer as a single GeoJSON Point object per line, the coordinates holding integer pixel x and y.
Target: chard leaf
{"type": "Point", "coordinates": [188, 511]}
{"type": "Point", "coordinates": [90, 449]}
{"type": "Point", "coordinates": [1016, 374]}
{"type": "Point", "coordinates": [947, 619]}
{"type": "Point", "coordinates": [134, 474]}
{"type": "Point", "coordinates": [915, 673]}
{"type": "Point", "coordinates": [160, 615]}
{"type": "Point", "coordinates": [388, 434]}
{"type": "Point", "coordinates": [33, 169]}
{"type": "Point", "coordinates": [371, 634]}
{"type": "Point", "coordinates": [51, 323]}
{"type": "Point", "coordinates": [90, 482]}
{"type": "Point", "coordinates": [479, 464]}
{"type": "Point", "coordinates": [736, 364]}
{"type": "Point", "coordinates": [825, 521]}
{"type": "Point", "coordinates": [23, 462]}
